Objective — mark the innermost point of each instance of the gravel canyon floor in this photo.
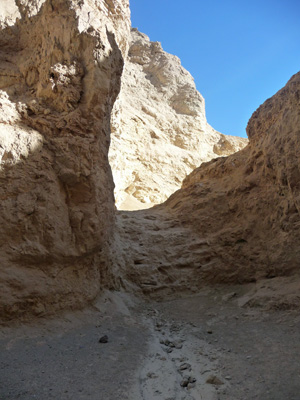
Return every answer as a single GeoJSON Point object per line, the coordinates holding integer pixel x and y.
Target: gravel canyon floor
{"type": "Point", "coordinates": [208, 346]}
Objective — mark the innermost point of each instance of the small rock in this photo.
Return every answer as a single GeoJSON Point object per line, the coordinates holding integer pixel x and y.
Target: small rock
{"type": "Point", "coordinates": [151, 375]}
{"type": "Point", "coordinates": [177, 345]}
{"type": "Point", "coordinates": [209, 331]}
{"type": "Point", "coordinates": [187, 380]}
{"type": "Point", "coordinates": [103, 339]}
{"type": "Point", "coordinates": [191, 385]}
{"type": "Point", "coordinates": [185, 366]}
{"type": "Point", "coordinates": [214, 380]}
{"type": "Point", "coordinates": [184, 382]}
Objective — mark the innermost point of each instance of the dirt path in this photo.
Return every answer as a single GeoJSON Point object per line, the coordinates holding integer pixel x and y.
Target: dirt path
{"type": "Point", "coordinates": [205, 346]}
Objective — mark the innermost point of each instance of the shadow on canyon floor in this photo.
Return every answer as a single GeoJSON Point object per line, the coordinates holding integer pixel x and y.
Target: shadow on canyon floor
{"type": "Point", "coordinates": [210, 346]}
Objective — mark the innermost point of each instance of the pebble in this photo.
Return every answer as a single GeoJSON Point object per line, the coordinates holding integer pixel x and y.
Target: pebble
{"type": "Point", "coordinates": [184, 382]}
{"type": "Point", "coordinates": [214, 380]}
{"type": "Point", "coordinates": [185, 366]}
{"type": "Point", "coordinates": [187, 380]}
{"type": "Point", "coordinates": [191, 385]}
{"type": "Point", "coordinates": [177, 345]}
{"type": "Point", "coordinates": [151, 375]}
{"type": "Point", "coordinates": [103, 339]}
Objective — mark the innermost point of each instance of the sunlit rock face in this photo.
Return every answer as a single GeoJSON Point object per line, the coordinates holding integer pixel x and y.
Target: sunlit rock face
{"type": "Point", "coordinates": [159, 128]}
{"type": "Point", "coordinates": [247, 205]}
{"type": "Point", "coordinates": [60, 68]}
{"type": "Point", "coordinates": [235, 219]}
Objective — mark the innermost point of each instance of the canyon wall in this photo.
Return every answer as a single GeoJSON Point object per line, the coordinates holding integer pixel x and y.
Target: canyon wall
{"type": "Point", "coordinates": [159, 129]}
{"type": "Point", "coordinates": [60, 67]}
{"type": "Point", "coordinates": [247, 205]}
{"type": "Point", "coordinates": [235, 219]}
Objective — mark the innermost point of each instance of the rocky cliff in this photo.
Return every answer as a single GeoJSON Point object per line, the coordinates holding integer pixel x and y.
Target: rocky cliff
{"type": "Point", "coordinates": [235, 219]}
{"type": "Point", "coordinates": [247, 205]}
{"type": "Point", "coordinates": [60, 68]}
{"type": "Point", "coordinates": [159, 129]}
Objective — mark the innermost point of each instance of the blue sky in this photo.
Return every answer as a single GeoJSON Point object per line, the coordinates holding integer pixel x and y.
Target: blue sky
{"type": "Point", "coordinates": [239, 52]}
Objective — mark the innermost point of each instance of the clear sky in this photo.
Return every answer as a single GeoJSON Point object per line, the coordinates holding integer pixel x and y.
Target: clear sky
{"type": "Point", "coordinates": [240, 52]}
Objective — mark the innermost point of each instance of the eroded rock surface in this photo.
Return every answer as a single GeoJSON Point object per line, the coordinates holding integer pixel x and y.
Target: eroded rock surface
{"type": "Point", "coordinates": [235, 219]}
{"type": "Point", "coordinates": [247, 205]}
{"type": "Point", "coordinates": [60, 68]}
{"type": "Point", "coordinates": [159, 129]}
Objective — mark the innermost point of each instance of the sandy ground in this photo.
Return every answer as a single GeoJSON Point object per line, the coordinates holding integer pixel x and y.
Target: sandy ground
{"type": "Point", "coordinates": [209, 346]}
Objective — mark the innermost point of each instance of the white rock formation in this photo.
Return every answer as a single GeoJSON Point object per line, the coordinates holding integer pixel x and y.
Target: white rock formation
{"type": "Point", "coordinates": [159, 129]}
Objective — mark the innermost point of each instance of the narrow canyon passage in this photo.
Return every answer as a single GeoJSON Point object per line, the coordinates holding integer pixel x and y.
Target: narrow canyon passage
{"type": "Point", "coordinates": [102, 304]}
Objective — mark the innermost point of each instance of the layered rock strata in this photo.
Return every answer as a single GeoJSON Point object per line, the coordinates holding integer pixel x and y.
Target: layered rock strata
{"type": "Point", "coordinates": [60, 68]}
{"type": "Point", "coordinates": [159, 129]}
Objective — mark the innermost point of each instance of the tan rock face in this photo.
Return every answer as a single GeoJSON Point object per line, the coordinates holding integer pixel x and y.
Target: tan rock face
{"type": "Point", "coordinates": [235, 219]}
{"type": "Point", "coordinates": [247, 205]}
{"type": "Point", "coordinates": [60, 68]}
{"type": "Point", "coordinates": [159, 128]}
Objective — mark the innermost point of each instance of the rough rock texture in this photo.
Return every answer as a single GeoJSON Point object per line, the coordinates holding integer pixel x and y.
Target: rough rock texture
{"type": "Point", "coordinates": [159, 128]}
{"type": "Point", "coordinates": [247, 205]}
{"type": "Point", "coordinates": [60, 68]}
{"type": "Point", "coordinates": [235, 220]}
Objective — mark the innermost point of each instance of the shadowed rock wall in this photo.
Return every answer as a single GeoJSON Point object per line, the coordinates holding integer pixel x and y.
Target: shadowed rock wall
{"type": "Point", "coordinates": [60, 68]}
